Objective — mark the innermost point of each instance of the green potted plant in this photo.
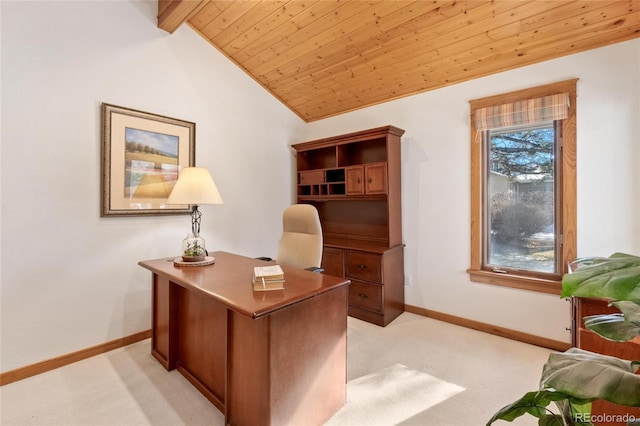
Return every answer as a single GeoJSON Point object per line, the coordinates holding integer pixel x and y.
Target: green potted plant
{"type": "Point", "coordinates": [193, 251]}
{"type": "Point", "coordinates": [575, 378]}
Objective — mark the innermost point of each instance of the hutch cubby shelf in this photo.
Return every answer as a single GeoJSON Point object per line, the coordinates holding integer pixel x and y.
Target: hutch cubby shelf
{"type": "Point", "coordinates": [354, 180]}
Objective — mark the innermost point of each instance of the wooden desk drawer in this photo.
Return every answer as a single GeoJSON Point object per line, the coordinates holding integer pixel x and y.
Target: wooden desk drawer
{"type": "Point", "coordinates": [364, 266]}
{"type": "Point", "coordinates": [365, 295]}
{"type": "Point", "coordinates": [312, 177]}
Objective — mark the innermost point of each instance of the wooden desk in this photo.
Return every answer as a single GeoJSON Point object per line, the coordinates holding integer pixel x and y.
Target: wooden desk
{"type": "Point", "coordinates": [263, 358]}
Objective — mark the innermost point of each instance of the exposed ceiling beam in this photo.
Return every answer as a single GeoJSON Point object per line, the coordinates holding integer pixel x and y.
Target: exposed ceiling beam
{"type": "Point", "coordinates": [172, 13]}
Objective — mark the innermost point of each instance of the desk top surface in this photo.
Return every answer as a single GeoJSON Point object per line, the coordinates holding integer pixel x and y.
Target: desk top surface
{"type": "Point", "coordinates": [228, 281]}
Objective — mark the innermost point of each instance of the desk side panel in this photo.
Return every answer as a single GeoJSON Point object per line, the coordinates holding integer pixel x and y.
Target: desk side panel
{"type": "Point", "coordinates": [248, 370]}
{"type": "Point", "coordinates": [201, 342]}
{"type": "Point", "coordinates": [393, 272]}
{"type": "Point", "coordinates": [309, 360]}
{"type": "Point", "coordinates": [290, 367]}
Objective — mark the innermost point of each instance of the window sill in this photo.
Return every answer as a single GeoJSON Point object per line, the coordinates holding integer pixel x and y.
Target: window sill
{"type": "Point", "coordinates": [516, 281]}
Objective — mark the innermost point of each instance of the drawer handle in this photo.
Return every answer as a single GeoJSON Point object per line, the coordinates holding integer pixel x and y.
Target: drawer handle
{"type": "Point", "coordinates": [370, 180]}
{"type": "Point", "coordinates": [362, 266]}
{"type": "Point", "coordinates": [362, 295]}
{"type": "Point", "coordinates": [358, 181]}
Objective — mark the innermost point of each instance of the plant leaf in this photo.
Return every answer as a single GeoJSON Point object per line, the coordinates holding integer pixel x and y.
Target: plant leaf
{"type": "Point", "coordinates": [630, 310]}
{"type": "Point", "coordinates": [533, 403]}
{"type": "Point", "coordinates": [617, 327]}
{"type": "Point", "coordinates": [581, 411]}
{"type": "Point", "coordinates": [587, 375]}
{"type": "Point", "coordinates": [612, 327]}
{"type": "Point", "coordinates": [616, 277]}
{"type": "Point", "coordinates": [574, 412]}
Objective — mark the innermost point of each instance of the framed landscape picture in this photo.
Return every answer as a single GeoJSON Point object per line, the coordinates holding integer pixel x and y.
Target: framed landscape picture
{"type": "Point", "coordinates": [142, 154]}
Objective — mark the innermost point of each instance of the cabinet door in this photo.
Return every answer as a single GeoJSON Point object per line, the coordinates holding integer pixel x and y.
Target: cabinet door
{"type": "Point", "coordinates": [376, 178]}
{"type": "Point", "coordinates": [354, 180]}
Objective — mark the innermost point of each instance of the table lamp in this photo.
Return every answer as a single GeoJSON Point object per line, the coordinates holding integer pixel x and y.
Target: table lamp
{"type": "Point", "coordinates": [195, 186]}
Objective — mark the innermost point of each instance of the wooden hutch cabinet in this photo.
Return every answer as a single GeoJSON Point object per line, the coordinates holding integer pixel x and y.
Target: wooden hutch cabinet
{"type": "Point", "coordinates": [354, 182]}
{"type": "Point", "coordinates": [586, 339]}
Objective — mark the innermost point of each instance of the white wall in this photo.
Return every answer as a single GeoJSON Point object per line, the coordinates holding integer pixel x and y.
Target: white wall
{"type": "Point", "coordinates": [70, 279]}
{"type": "Point", "coordinates": [436, 182]}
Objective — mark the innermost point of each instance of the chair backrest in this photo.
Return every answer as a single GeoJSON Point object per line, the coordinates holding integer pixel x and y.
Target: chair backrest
{"type": "Point", "coordinates": [301, 242]}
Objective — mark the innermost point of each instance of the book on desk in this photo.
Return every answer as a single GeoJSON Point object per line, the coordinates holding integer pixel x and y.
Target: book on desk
{"type": "Point", "coordinates": [266, 278]}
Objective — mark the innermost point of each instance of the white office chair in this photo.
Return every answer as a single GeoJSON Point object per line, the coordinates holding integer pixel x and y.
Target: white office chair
{"type": "Point", "coordinates": [301, 242]}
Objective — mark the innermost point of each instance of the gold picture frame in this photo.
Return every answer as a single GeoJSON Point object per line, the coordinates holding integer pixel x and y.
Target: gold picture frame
{"type": "Point", "coordinates": [142, 154]}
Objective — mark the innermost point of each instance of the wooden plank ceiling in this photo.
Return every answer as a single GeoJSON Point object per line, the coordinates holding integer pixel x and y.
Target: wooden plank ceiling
{"type": "Point", "coordinates": [323, 58]}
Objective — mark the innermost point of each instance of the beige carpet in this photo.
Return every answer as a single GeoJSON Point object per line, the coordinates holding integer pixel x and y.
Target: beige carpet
{"type": "Point", "coordinates": [415, 371]}
{"type": "Point", "coordinates": [391, 395]}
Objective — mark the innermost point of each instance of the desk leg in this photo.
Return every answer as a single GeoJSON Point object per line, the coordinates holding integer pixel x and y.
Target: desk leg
{"type": "Point", "coordinates": [163, 328]}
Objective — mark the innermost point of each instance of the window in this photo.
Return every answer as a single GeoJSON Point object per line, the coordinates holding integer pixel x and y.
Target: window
{"type": "Point", "coordinates": [523, 187]}
{"type": "Point", "coordinates": [523, 231]}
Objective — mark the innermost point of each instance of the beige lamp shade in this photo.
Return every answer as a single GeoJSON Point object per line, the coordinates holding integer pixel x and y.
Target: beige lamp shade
{"type": "Point", "coordinates": [195, 186]}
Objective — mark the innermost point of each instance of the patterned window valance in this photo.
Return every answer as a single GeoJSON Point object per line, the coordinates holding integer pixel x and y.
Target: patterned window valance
{"type": "Point", "coordinates": [530, 111]}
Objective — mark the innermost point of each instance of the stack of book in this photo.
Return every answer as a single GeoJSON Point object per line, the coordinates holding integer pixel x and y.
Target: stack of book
{"type": "Point", "coordinates": [267, 278]}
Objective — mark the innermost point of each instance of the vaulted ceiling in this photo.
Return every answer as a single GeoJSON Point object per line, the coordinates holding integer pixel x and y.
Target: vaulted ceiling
{"type": "Point", "coordinates": [325, 57]}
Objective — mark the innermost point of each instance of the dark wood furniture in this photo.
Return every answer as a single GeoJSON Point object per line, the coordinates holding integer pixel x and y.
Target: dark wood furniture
{"type": "Point", "coordinates": [263, 358]}
{"type": "Point", "coordinates": [586, 339]}
{"type": "Point", "coordinates": [354, 181]}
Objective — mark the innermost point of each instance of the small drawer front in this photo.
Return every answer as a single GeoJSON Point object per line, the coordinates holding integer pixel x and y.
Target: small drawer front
{"type": "Point", "coordinates": [364, 266]}
{"type": "Point", "coordinates": [365, 295]}
{"type": "Point", "coordinates": [311, 177]}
